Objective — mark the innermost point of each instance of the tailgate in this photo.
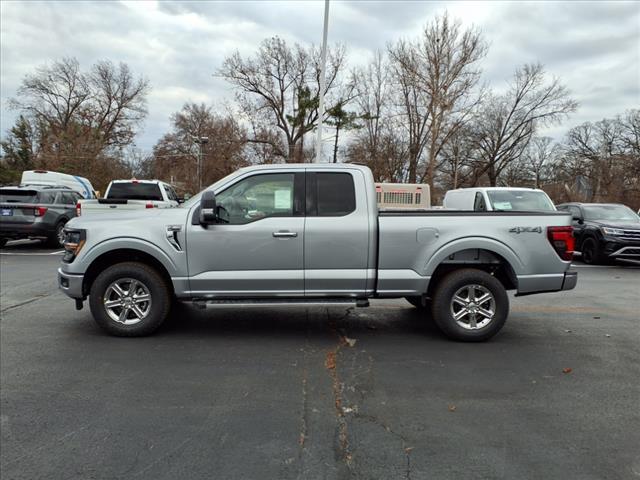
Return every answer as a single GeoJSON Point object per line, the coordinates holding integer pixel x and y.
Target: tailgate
{"type": "Point", "coordinates": [105, 205]}
{"type": "Point", "coordinates": [17, 213]}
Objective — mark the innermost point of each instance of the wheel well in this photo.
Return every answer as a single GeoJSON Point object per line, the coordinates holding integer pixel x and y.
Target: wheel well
{"type": "Point", "coordinates": [479, 258]}
{"type": "Point", "coordinates": [122, 255]}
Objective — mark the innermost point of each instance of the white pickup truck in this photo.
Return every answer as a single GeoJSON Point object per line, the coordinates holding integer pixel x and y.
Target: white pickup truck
{"type": "Point", "coordinates": [131, 195]}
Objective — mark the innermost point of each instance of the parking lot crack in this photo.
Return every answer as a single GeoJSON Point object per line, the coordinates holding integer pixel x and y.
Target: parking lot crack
{"type": "Point", "coordinates": [343, 449]}
{"type": "Point", "coordinates": [26, 302]}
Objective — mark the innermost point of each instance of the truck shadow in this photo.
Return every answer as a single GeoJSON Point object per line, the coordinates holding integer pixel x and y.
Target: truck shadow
{"type": "Point", "coordinates": [188, 321]}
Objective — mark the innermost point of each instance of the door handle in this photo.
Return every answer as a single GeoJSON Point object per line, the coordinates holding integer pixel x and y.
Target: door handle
{"type": "Point", "coordinates": [285, 234]}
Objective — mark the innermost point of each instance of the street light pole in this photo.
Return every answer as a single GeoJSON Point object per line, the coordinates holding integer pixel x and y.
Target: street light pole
{"type": "Point", "coordinates": [201, 141]}
{"type": "Point", "coordinates": [323, 82]}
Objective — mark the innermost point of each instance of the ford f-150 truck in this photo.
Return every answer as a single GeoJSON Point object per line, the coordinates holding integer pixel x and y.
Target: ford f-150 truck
{"type": "Point", "coordinates": [306, 234]}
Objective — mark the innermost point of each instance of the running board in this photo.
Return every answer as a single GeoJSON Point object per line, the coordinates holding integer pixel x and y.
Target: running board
{"type": "Point", "coordinates": [282, 302]}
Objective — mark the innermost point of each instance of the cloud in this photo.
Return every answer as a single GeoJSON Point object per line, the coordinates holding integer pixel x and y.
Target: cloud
{"type": "Point", "coordinates": [593, 46]}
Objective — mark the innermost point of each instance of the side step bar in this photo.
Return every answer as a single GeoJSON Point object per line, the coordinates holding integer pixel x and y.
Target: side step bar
{"type": "Point", "coordinates": [279, 302]}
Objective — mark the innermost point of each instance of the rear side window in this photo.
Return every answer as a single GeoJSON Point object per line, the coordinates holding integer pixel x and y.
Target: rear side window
{"type": "Point", "coordinates": [18, 196]}
{"type": "Point", "coordinates": [68, 198]}
{"type": "Point", "coordinates": [134, 191]}
{"type": "Point", "coordinates": [336, 195]}
{"type": "Point", "coordinates": [46, 198]}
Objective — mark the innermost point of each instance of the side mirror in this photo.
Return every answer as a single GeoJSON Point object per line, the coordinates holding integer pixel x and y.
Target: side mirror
{"type": "Point", "coordinates": [577, 219]}
{"type": "Point", "coordinates": [180, 200]}
{"type": "Point", "coordinates": [208, 210]}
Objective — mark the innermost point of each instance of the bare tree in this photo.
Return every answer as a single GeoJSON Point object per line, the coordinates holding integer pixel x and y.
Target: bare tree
{"type": "Point", "coordinates": [438, 75]}
{"type": "Point", "coordinates": [280, 85]}
{"type": "Point", "coordinates": [175, 156]}
{"type": "Point", "coordinates": [538, 156]}
{"type": "Point", "coordinates": [509, 121]}
{"type": "Point", "coordinates": [82, 120]}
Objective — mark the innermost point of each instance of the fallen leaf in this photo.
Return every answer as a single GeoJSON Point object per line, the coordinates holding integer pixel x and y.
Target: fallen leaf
{"type": "Point", "coordinates": [452, 408]}
{"type": "Point", "coordinates": [567, 370]}
{"type": "Point", "coordinates": [350, 341]}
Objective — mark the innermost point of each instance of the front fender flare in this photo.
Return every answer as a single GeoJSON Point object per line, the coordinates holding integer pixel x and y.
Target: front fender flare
{"type": "Point", "coordinates": [131, 243]}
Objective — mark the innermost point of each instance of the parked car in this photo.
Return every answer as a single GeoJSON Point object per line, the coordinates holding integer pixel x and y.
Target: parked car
{"type": "Point", "coordinates": [312, 233]}
{"type": "Point", "coordinates": [131, 195]}
{"type": "Point", "coordinates": [488, 199]}
{"type": "Point", "coordinates": [57, 179]}
{"type": "Point", "coordinates": [605, 231]}
{"type": "Point", "coordinates": [36, 211]}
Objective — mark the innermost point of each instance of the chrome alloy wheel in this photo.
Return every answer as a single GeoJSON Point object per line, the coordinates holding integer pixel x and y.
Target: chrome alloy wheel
{"type": "Point", "coordinates": [127, 301]}
{"type": "Point", "coordinates": [473, 307]}
{"type": "Point", "coordinates": [61, 235]}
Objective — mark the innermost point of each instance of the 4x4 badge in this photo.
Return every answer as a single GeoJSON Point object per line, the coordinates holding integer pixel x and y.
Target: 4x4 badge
{"type": "Point", "coordinates": [526, 230]}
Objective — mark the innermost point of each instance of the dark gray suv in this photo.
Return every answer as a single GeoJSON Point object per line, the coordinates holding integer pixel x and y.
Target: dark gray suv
{"type": "Point", "coordinates": [36, 211]}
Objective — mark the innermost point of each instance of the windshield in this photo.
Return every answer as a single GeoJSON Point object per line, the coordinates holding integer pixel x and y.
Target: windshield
{"type": "Point", "coordinates": [134, 191]}
{"type": "Point", "coordinates": [618, 213]}
{"type": "Point", "coordinates": [523, 200]}
{"type": "Point", "coordinates": [18, 196]}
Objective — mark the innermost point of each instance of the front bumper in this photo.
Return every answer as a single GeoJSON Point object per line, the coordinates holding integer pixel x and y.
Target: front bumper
{"type": "Point", "coordinates": [71, 284]}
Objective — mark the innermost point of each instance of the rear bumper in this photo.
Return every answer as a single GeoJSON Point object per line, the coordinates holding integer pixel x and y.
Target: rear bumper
{"type": "Point", "coordinates": [70, 284]}
{"type": "Point", "coordinates": [532, 284]}
{"type": "Point", "coordinates": [24, 230]}
{"type": "Point", "coordinates": [570, 280]}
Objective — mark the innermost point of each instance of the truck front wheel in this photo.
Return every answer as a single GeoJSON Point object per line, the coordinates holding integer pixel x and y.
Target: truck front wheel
{"type": "Point", "coordinates": [470, 305]}
{"type": "Point", "coordinates": [130, 299]}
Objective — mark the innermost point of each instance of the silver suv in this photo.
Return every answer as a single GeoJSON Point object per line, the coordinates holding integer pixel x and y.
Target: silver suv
{"type": "Point", "coordinates": [36, 212]}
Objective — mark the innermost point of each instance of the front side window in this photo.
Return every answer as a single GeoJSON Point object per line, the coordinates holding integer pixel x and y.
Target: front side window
{"type": "Point", "coordinates": [479, 205]}
{"type": "Point", "coordinates": [257, 197]}
{"type": "Point", "coordinates": [336, 194]}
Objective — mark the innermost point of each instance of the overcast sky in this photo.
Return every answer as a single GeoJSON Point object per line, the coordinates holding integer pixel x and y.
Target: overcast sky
{"type": "Point", "coordinates": [593, 46]}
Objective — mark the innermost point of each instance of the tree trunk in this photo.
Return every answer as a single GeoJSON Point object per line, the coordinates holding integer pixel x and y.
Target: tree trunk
{"type": "Point", "coordinates": [335, 145]}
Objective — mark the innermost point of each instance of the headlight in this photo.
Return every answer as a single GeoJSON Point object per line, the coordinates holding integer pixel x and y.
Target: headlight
{"type": "Point", "coordinates": [73, 242]}
{"type": "Point", "coordinates": [612, 231]}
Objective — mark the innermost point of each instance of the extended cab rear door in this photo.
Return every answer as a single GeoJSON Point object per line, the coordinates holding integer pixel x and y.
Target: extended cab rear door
{"type": "Point", "coordinates": [336, 235]}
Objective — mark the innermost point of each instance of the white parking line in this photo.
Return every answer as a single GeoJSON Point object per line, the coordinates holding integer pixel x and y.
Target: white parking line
{"type": "Point", "coordinates": [12, 254]}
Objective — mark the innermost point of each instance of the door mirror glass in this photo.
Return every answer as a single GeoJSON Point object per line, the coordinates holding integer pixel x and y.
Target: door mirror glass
{"type": "Point", "coordinates": [208, 210]}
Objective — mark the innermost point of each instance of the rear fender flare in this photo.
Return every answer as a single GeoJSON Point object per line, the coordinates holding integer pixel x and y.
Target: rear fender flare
{"type": "Point", "coordinates": [474, 243]}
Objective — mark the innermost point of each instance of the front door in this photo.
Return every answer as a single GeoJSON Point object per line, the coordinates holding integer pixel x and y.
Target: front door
{"type": "Point", "coordinates": [259, 252]}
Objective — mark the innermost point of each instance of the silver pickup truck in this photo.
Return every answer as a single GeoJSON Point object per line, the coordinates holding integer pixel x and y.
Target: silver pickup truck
{"type": "Point", "coordinates": [306, 234]}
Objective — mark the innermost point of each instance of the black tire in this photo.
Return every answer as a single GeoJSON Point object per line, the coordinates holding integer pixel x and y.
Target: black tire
{"type": "Point", "coordinates": [156, 311]}
{"type": "Point", "coordinates": [590, 253]}
{"type": "Point", "coordinates": [419, 302]}
{"type": "Point", "coordinates": [55, 240]}
{"type": "Point", "coordinates": [480, 281]}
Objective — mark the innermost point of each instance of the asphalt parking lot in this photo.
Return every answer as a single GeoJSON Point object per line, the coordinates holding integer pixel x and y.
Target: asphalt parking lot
{"type": "Point", "coordinates": [306, 393]}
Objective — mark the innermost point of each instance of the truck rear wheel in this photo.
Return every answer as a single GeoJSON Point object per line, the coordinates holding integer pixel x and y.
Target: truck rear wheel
{"type": "Point", "coordinates": [470, 305]}
{"type": "Point", "coordinates": [130, 300]}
